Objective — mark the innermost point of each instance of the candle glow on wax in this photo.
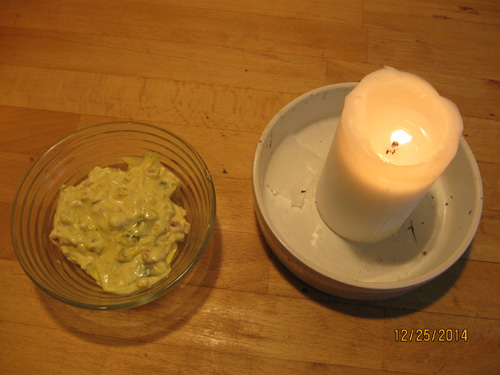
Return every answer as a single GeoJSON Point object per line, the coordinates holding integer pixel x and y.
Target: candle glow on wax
{"type": "Point", "coordinates": [396, 136]}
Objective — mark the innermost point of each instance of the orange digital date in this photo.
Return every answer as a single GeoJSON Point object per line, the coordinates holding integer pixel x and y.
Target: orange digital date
{"type": "Point", "coordinates": [430, 335]}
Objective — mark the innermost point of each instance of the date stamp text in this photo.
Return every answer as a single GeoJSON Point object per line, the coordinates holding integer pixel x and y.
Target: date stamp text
{"type": "Point", "coordinates": [430, 335]}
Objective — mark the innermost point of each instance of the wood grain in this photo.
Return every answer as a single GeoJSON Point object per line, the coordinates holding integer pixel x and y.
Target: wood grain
{"type": "Point", "coordinates": [215, 73]}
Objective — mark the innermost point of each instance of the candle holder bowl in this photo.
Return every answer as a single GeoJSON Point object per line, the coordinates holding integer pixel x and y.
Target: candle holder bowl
{"type": "Point", "coordinates": [287, 162]}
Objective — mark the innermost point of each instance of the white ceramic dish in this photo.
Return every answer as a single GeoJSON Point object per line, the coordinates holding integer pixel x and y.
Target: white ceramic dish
{"type": "Point", "coordinates": [288, 159]}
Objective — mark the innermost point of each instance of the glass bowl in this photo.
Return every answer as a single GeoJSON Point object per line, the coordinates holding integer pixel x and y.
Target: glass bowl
{"type": "Point", "coordinates": [69, 162]}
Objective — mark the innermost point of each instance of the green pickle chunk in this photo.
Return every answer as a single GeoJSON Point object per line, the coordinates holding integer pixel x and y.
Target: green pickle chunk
{"type": "Point", "coordinates": [122, 227]}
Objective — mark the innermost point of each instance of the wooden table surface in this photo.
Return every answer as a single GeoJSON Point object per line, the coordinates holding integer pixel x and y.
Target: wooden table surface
{"type": "Point", "coordinates": [215, 73]}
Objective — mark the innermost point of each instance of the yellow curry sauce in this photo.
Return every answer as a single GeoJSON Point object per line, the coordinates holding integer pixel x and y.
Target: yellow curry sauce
{"type": "Point", "coordinates": [120, 226]}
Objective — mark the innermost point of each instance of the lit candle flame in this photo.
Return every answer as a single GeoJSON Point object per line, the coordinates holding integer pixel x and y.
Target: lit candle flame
{"type": "Point", "coordinates": [400, 137]}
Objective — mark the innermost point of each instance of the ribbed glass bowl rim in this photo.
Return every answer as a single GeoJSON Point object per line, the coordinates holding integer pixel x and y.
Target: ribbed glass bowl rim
{"type": "Point", "coordinates": [93, 130]}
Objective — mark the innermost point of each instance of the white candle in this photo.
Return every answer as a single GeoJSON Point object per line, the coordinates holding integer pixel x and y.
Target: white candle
{"type": "Point", "coordinates": [396, 136]}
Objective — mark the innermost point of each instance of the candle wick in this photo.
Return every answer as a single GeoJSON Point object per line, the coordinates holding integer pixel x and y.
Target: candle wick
{"type": "Point", "coordinates": [393, 148]}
